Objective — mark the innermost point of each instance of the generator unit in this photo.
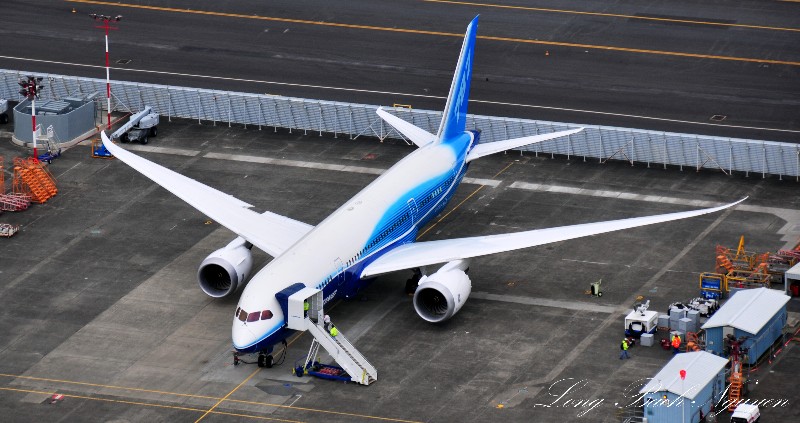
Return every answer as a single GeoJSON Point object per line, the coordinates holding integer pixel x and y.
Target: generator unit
{"type": "Point", "coordinates": [641, 320]}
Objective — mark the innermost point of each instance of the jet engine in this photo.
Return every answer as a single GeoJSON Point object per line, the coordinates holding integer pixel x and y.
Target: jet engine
{"type": "Point", "coordinates": [440, 295]}
{"type": "Point", "coordinates": [224, 271]}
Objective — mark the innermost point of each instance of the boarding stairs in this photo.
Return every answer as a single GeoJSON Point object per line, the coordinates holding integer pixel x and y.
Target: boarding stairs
{"type": "Point", "coordinates": [14, 202]}
{"type": "Point", "coordinates": [735, 391]}
{"type": "Point", "coordinates": [338, 347]}
{"type": "Point", "coordinates": [32, 178]}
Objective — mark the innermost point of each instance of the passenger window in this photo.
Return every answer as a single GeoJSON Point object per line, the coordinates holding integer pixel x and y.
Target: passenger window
{"type": "Point", "coordinates": [253, 317]}
{"type": "Point", "coordinates": [242, 315]}
{"type": "Point", "coordinates": [266, 315]}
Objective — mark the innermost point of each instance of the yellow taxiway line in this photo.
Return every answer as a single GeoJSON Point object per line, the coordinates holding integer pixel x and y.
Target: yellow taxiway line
{"type": "Point", "coordinates": [616, 15]}
{"type": "Point", "coordinates": [439, 33]}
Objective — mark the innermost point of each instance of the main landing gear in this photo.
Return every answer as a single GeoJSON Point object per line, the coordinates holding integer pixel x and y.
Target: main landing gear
{"type": "Point", "coordinates": [413, 282]}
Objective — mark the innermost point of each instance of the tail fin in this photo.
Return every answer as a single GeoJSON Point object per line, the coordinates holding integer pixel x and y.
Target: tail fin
{"type": "Point", "coordinates": [454, 118]}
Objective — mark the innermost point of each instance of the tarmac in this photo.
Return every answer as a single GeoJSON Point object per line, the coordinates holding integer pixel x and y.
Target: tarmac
{"type": "Point", "coordinates": [100, 304]}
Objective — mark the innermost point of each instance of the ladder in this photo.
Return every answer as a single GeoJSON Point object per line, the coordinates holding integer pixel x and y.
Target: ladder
{"type": "Point", "coordinates": [735, 391]}
{"type": "Point", "coordinates": [338, 347]}
{"type": "Point", "coordinates": [33, 179]}
{"type": "Point", "coordinates": [14, 202]}
{"type": "Point", "coordinates": [344, 353]}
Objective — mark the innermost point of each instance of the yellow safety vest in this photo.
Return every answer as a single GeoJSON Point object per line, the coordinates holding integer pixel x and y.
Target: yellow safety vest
{"type": "Point", "coordinates": [305, 306]}
{"type": "Point", "coordinates": [334, 331]}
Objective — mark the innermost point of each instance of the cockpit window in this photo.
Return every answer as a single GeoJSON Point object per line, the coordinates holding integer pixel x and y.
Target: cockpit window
{"type": "Point", "coordinates": [253, 317]}
{"type": "Point", "coordinates": [242, 315]}
{"type": "Point", "coordinates": [266, 315]}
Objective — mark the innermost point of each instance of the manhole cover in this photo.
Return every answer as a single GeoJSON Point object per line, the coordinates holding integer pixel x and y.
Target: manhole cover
{"type": "Point", "coordinates": [123, 61]}
{"type": "Point", "coordinates": [718, 118]}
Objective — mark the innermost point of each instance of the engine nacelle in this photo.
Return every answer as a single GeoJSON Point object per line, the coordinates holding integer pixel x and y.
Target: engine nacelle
{"type": "Point", "coordinates": [224, 271]}
{"type": "Point", "coordinates": [440, 295]}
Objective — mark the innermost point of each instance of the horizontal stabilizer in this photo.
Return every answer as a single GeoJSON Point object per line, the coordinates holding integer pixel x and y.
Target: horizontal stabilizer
{"type": "Point", "coordinates": [488, 148]}
{"type": "Point", "coordinates": [426, 253]}
{"type": "Point", "coordinates": [417, 135]}
{"type": "Point", "coordinates": [270, 232]}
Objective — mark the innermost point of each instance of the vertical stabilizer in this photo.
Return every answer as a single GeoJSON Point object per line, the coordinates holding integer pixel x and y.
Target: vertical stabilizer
{"type": "Point", "coordinates": [454, 118]}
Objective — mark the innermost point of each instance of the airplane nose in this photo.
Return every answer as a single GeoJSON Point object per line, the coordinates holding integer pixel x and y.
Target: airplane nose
{"type": "Point", "coordinates": [241, 335]}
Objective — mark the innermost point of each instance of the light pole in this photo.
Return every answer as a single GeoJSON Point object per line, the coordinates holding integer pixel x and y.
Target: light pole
{"type": "Point", "coordinates": [107, 26]}
{"type": "Point", "coordinates": [30, 90]}
{"type": "Point", "coordinates": [683, 393]}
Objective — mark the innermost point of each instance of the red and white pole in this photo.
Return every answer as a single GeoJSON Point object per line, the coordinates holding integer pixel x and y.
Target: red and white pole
{"type": "Point", "coordinates": [33, 120]}
{"type": "Point", "coordinates": [107, 26]}
{"type": "Point", "coordinates": [108, 81]}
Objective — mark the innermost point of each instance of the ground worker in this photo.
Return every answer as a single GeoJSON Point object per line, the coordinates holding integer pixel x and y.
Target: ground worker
{"type": "Point", "coordinates": [624, 348]}
{"type": "Point", "coordinates": [326, 322]}
{"type": "Point", "coordinates": [305, 308]}
{"type": "Point", "coordinates": [676, 344]}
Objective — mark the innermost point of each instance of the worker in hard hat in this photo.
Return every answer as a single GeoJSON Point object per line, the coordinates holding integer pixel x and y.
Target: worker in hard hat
{"type": "Point", "coordinates": [676, 344]}
{"type": "Point", "coordinates": [624, 348]}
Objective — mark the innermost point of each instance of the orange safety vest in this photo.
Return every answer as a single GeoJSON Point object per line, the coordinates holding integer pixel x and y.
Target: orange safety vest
{"type": "Point", "coordinates": [676, 342]}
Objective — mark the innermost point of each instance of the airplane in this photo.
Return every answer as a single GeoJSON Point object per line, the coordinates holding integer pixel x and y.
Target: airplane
{"type": "Point", "coordinates": [371, 234]}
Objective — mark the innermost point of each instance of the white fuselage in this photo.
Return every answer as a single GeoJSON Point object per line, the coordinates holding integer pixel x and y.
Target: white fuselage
{"type": "Point", "coordinates": [387, 213]}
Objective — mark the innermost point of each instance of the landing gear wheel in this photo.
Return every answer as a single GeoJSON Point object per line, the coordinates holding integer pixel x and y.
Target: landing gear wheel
{"type": "Point", "coordinates": [599, 294]}
{"type": "Point", "coordinates": [413, 282]}
{"type": "Point", "coordinates": [265, 360]}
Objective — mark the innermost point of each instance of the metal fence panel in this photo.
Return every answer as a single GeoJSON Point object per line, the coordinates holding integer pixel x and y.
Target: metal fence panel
{"type": "Point", "coordinates": [353, 120]}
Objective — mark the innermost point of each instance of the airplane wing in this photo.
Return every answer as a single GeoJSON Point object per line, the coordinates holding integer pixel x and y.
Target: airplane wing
{"type": "Point", "coordinates": [426, 253]}
{"type": "Point", "coordinates": [488, 148]}
{"type": "Point", "coordinates": [270, 232]}
{"type": "Point", "coordinates": [417, 135]}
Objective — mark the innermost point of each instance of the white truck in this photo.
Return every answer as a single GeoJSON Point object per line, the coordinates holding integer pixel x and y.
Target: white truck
{"type": "Point", "coordinates": [745, 413]}
{"type": "Point", "coordinates": [3, 111]}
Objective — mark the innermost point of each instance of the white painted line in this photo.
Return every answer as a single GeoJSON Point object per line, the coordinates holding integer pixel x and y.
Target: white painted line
{"type": "Point", "coordinates": [325, 166]}
{"type": "Point", "coordinates": [294, 163]}
{"type": "Point", "coordinates": [162, 150]}
{"type": "Point", "coordinates": [569, 305]}
{"type": "Point", "coordinates": [322, 87]}
{"type": "Point", "coordinates": [615, 194]}
{"type": "Point", "coordinates": [477, 181]}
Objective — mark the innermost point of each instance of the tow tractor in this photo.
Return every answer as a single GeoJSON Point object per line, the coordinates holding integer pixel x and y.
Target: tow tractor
{"type": "Point", "coordinates": [3, 110]}
{"type": "Point", "coordinates": [140, 127]}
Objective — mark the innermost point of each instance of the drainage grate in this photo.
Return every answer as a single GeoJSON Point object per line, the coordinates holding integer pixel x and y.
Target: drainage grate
{"type": "Point", "coordinates": [718, 118]}
{"type": "Point", "coordinates": [123, 61]}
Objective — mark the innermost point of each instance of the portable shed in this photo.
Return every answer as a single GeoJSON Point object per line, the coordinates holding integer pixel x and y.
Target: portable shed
{"type": "Point", "coordinates": [668, 398]}
{"type": "Point", "coordinates": [791, 281]}
{"type": "Point", "coordinates": [757, 315]}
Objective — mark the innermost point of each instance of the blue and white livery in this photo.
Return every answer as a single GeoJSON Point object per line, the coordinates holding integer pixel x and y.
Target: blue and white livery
{"type": "Point", "coordinates": [381, 224]}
